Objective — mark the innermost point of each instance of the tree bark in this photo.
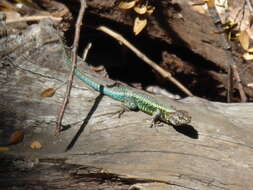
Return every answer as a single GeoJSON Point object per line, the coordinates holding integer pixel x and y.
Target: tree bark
{"type": "Point", "coordinates": [213, 152]}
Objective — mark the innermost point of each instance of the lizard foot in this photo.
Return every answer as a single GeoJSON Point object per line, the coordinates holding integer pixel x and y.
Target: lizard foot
{"type": "Point", "coordinates": [156, 124]}
{"type": "Point", "coordinates": [122, 110]}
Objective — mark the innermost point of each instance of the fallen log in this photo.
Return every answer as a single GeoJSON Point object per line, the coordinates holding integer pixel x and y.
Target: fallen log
{"type": "Point", "coordinates": [213, 152]}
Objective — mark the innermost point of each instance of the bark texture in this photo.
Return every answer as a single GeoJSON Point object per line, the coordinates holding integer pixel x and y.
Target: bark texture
{"type": "Point", "coordinates": [214, 152]}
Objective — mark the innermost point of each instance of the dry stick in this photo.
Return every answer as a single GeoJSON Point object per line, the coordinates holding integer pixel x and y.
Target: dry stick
{"type": "Point", "coordinates": [141, 55]}
{"type": "Point", "coordinates": [32, 18]}
{"type": "Point", "coordinates": [74, 59]}
{"type": "Point", "coordinates": [231, 62]}
{"type": "Point", "coordinates": [86, 50]}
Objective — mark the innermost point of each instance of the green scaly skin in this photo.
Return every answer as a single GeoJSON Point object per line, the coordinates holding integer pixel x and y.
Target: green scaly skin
{"type": "Point", "coordinates": [137, 100]}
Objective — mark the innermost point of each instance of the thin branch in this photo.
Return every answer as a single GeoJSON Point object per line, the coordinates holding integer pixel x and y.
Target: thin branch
{"type": "Point", "coordinates": [86, 50]}
{"type": "Point", "coordinates": [32, 19]}
{"type": "Point", "coordinates": [74, 60]}
{"type": "Point", "coordinates": [232, 68]}
{"type": "Point", "coordinates": [142, 56]}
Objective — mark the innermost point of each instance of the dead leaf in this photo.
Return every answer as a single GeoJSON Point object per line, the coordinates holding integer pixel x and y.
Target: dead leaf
{"type": "Point", "coordinates": [250, 50]}
{"type": "Point", "coordinates": [139, 25]}
{"type": "Point", "coordinates": [36, 145]}
{"type": "Point", "coordinates": [16, 137]}
{"type": "Point", "coordinates": [48, 93]}
{"type": "Point", "coordinates": [244, 40]}
{"type": "Point", "coordinates": [247, 56]}
{"type": "Point", "coordinates": [150, 9]}
{"type": "Point", "coordinates": [127, 4]}
{"type": "Point", "coordinates": [140, 9]}
{"type": "Point", "coordinates": [210, 3]}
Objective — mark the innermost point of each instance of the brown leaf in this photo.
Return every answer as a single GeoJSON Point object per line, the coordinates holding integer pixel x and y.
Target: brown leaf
{"type": "Point", "coordinates": [127, 4]}
{"type": "Point", "coordinates": [210, 3]}
{"type": "Point", "coordinates": [248, 56]}
{"type": "Point", "coordinates": [48, 93]}
{"type": "Point", "coordinates": [250, 50]}
{"type": "Point", "coordinates": [36, 145]}
{"type": "Point", "coordinates": [150, 9]}
{"type": "Point", "coordinates": [139, 25]}
{"type": "Point", "coordinates": [244, 40]}
{"type": "Point", "coordinates": [140, 9]}
{"type": "Point", "coordinates": [16, 137]}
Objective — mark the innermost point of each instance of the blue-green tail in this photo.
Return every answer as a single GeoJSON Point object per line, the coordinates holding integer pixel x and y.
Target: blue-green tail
{"type": "Point", "coordinates": [116, 93]}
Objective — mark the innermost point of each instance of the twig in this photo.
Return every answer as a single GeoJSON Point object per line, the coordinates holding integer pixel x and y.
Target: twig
{"type": "Point", "coordinates": [231, 62]}
{"type": "Point", "coordinates": [74, 59]}
{"type": "Point", "coordinates": [86, 50]}
{"type": "Point", "coordinates": [245, 68]}
{"type": "Point", "coordinates": [141, 55]}
{"type": "Point", "coordinates": [32, 18]}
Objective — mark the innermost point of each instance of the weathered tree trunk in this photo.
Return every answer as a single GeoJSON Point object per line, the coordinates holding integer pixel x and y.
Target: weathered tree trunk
{"type": "Point", "coordinates": [214, 152]}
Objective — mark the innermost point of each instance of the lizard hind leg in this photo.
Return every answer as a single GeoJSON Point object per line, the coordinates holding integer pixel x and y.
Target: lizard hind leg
{"type": "Point", "coordinates": [129, 104]}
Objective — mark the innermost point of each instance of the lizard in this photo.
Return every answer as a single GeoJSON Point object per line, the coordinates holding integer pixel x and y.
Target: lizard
{"type": "Point", "coordinates": [132, 98]}
{"type": "Point", "coordinates": [136, 100]}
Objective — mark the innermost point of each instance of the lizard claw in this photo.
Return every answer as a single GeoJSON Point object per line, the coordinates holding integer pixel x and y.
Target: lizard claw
{"type": "Point", "coordinates": [156, 124]}
{"type": "Point", "coordinates": [122, 110]}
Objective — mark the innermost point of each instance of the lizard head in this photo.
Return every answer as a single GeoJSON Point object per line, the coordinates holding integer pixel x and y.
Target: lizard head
{"type": "Point", "coordinates": [177, 118]}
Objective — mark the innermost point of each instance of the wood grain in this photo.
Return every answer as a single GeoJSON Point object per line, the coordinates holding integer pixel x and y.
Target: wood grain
{"type": "Point", "coordinates": [214, 152]}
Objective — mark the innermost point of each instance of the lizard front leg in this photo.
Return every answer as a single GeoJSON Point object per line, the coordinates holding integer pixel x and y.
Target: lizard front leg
{"type": "Point", "coordinates": [155, 118]}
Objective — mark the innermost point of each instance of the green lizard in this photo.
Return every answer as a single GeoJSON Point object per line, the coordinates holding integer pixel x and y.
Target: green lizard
{"type": "Point", "coordinates": [135, 99]}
